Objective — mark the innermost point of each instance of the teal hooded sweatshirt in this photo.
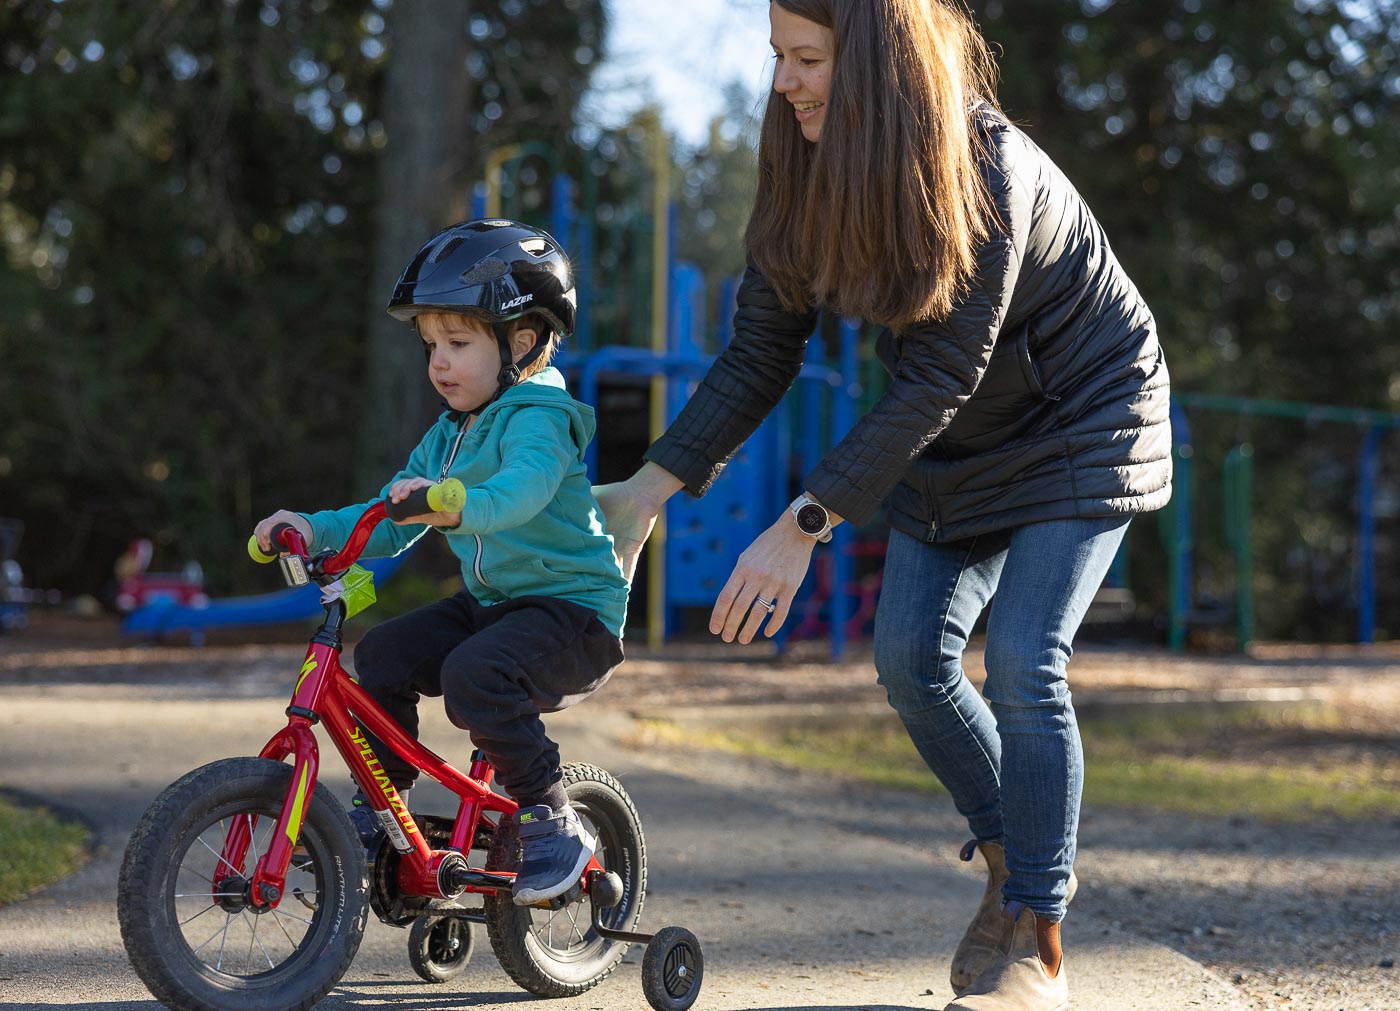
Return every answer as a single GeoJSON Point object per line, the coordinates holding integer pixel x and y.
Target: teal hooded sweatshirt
{"type": "Point", "coordinates": [530, 524]}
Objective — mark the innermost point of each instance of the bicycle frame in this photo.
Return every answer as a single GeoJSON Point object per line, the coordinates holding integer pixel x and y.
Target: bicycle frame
{"type": "Point", "coordinates": [325, 693]}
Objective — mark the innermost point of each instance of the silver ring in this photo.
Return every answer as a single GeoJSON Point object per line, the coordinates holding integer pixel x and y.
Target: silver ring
{"type": "Point", "coordinates": [768, 605]}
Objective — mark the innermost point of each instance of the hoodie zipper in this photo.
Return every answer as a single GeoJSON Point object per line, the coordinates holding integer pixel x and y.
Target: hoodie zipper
{"type": "Point", "coordinates": [447, 465]}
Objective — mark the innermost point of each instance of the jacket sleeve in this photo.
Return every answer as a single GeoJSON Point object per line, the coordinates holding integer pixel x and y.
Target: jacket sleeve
{"type": "Point", "coordinates": [940, 362]}
{"type": "Point", "coordinates": [748, 378]}
{"type": "Point", "coordinates": [537, 450]}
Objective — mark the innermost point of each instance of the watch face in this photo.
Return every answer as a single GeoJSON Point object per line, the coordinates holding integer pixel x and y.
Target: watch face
{"type": "Point", "coordinates": [811, 519]}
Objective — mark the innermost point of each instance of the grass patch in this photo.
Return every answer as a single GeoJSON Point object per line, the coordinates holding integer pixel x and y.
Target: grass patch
{"type": "Point", "coordinates": [1278, 766]}
{"type": "Point", "coordinates": [38, 849]}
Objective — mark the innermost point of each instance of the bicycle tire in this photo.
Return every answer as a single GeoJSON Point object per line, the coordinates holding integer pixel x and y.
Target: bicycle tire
{"type": "Point", "coordinates": [524, 938]}
{"type": "Point", "coordinates": [197, 950]}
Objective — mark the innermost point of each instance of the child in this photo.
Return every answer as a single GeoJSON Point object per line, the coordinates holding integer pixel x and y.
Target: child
{"type": "Point", "coordinates": [539, 625]}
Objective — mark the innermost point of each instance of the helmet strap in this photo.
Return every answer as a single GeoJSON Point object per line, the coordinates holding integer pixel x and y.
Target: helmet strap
{"type": "Point", "coordinates": [510, 369]}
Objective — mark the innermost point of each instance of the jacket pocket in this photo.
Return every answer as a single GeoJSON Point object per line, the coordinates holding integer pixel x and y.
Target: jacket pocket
{"type": "Point", "coordinates": [1030, 372]}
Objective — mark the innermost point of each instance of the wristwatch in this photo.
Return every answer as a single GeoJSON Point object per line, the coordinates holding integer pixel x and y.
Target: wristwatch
{"type": "Point", "coordinates": [812, 517]}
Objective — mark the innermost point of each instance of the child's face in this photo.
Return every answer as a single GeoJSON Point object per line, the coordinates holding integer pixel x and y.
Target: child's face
{"type": "Point", "coordinates": [464, 361]}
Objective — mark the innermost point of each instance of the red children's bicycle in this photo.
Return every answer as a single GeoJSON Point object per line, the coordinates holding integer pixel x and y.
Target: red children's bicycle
{"type": "Point", "coordinates": [245, 885]}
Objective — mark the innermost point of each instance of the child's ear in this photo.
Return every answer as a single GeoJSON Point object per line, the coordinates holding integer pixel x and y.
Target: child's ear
{"type": "Point", "coordinates": [521, 342]}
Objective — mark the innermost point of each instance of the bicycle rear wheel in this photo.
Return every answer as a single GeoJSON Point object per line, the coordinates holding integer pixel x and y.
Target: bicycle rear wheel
{"type": "Point", "coordinates": [556, 952]}
{"type": "Point", "coordinates": [191, 932]}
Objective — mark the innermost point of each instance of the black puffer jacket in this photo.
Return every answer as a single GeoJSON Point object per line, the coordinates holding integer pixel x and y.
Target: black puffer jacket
{"type": "Point", "coordinates": [1042, 396]}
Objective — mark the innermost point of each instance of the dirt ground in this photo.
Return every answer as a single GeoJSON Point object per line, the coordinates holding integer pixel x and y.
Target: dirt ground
{"type": "Point", "coordinates": [1296, 916]}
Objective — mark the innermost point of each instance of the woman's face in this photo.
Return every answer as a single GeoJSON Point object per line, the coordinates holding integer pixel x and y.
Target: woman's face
{"type": "Point", "coordinates": [803, 52]}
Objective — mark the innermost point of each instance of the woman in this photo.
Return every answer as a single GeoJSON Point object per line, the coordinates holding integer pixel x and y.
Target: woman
{"type": "Point", "coordinates": [1025, 422]}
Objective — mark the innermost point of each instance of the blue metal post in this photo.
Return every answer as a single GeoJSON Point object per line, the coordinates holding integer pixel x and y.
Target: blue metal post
{"type": "Point", "coordinates": [845, 397]}
{"type": "Point", "coordinates": [728, 301]}
{"type": "Point", "coordinates": [561, 210]}
{"type": "Point", "coordinates": [1366, 534]}
{"type": "Point", "coordinates": [479, 200]}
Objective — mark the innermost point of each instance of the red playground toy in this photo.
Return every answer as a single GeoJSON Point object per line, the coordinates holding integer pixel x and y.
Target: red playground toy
{"type": "Point", "coordinates": [136, 587]}
{"type": "Point", "coordinates": [245, 886]}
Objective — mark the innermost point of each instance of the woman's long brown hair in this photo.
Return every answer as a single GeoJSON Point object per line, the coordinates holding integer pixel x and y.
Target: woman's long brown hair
{"type": "Point", "coordinates": [881, 217]}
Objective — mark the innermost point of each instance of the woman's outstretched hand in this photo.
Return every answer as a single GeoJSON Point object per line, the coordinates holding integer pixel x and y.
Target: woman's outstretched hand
{"type": "Point", "coordinates": [768, 572]}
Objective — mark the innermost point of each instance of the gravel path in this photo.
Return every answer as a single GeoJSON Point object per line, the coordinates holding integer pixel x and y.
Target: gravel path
{"type": "Point", "coordinates": [1288, 917]}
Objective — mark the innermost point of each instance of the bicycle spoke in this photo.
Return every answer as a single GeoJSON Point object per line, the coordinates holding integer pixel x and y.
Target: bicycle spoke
{"type": "Point", "coordinates": [282, 927]}
{"type": "Point", "coordinates": [223, 943]}
{"type": "Point", "coordinates": [270, 963]}
{"type": "Point", "coordinates": [252, 840]}
{"type": "Point", "coordinates": [198, 915]}
{"type": "Point", "coordinates": [281, 912]}
{"type": "Point", "coordinates": [573, 923]}
{"type": "Point", "coordinates": [218, 857]}
{"type": "Point", "coordinates": [196, 951]}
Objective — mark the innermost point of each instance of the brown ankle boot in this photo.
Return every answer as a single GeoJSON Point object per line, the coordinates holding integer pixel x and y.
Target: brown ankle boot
{"type": "Point", "coordinates": [1029, 973]}
{"type": "Point", "coordinates": [978, 948]}
{"type": "Point", "coordinates": [981, 945]}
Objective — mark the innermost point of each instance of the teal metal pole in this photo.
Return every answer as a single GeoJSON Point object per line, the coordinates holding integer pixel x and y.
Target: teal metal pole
{"type": "Point", "coordinates": [1179, 534]}
{"type": "Point", "coordinates": [1239, 535]}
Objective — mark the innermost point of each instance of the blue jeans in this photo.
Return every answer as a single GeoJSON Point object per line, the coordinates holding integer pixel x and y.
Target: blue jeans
{"type": "Point", "coordinates": [1014, 770]}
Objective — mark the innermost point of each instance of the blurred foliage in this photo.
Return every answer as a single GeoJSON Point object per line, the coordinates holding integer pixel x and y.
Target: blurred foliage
{"type": "Point", "coordinates": [1244, 159]}
{"type": "Point", "coordinates": [186, 202]}
{"type": "Point", "coordinates": [188, 196]}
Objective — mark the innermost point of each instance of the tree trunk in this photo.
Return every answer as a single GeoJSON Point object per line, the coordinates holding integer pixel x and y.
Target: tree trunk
{"type": "Point", "coordinates": [423, 187]}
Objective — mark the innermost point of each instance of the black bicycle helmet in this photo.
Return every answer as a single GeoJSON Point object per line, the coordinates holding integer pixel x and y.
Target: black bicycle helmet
{"type": "Point", "coordinates": [499, 269]}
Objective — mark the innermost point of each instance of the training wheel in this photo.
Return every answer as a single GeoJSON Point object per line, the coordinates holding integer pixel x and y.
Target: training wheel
{"type": "Point", "coordinates": [439, 947]}
{"type": "Point", "coordinates": [672, 969]}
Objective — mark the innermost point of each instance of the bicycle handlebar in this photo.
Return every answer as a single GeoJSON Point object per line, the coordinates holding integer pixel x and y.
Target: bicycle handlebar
{"type": "Point", "coordinates": [447, 497]}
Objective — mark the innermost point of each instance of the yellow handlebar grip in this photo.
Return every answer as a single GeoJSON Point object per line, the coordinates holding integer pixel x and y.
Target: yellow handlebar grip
{"type": "Point", "coordinates": [448, 497]}
{"type": "Point", "coordinates": [256, 553]}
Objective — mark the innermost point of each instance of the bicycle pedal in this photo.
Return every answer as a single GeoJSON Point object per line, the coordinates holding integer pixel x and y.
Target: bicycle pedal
{"type": "Point", "coordinates": [561, 900]}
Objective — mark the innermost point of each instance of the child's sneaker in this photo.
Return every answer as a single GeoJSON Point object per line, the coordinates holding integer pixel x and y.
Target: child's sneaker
{"type": "Point", "coordinates": [556, 850]}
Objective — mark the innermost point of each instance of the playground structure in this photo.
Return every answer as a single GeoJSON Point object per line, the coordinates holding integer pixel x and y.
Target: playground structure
{"type": "Point", "coordinates": [1180, 527]}
{"type": "Point", "coordinates": [661, 339]}
{"type": "Point", "coordinates": [167, 615]}
{"type": "Point", "coordinates": [663, 349]}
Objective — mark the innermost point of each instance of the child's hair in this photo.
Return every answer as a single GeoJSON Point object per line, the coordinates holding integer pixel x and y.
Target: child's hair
{"type": "Point", "coordinates": [547, 340]}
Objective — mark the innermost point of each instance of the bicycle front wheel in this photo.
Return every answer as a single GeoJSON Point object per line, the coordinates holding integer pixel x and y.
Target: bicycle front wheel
{"type": "Point", "coordinates": [190, 931]}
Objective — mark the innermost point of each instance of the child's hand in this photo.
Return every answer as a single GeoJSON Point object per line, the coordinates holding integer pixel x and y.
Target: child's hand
{"type": "Point", "coordinates": [400, 490]}
{"type": "Point", "coordinates": [263, 531]}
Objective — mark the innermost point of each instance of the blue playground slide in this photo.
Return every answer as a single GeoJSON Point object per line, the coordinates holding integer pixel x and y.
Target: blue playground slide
{"type": "Point", "coordinates": [292, 604]}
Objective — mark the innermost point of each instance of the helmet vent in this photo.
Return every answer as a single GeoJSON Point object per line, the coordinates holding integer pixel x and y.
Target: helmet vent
{"type": "Point", "coordinates": [535, 247]}
{"type": "Point", "coordinates": [486, 271]}
{"type": "Point", "coordinates": [443, 251]}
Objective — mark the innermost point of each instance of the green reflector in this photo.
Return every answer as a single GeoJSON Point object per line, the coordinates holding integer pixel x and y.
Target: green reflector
{"type": "Point", "coordinates": [359, 590]}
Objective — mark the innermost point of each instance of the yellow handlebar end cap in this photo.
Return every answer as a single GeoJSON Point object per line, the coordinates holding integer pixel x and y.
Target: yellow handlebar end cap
{"type": "Point", "coordinates": [256, 553]}
{"type": "Point", "coordinates": [448, 497]}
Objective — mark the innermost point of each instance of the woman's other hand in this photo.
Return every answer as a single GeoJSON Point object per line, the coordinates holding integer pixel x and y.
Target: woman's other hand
{"type": "Point", "coordinates": [768, 572]}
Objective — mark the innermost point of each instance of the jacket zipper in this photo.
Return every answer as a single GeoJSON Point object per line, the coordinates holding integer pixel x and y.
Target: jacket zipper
{"type": "Point", "coordinates": [476, 562]}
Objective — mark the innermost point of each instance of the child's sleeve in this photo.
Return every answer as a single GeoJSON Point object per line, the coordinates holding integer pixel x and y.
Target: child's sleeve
{"type": "Point", "coordinates": [331, 528]}
{"type": "Point", "coordinates": [537, 449]}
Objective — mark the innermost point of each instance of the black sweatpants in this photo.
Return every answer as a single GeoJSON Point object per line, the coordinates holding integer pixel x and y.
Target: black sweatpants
{"type": "Point", "coordinates": [497, 669]}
